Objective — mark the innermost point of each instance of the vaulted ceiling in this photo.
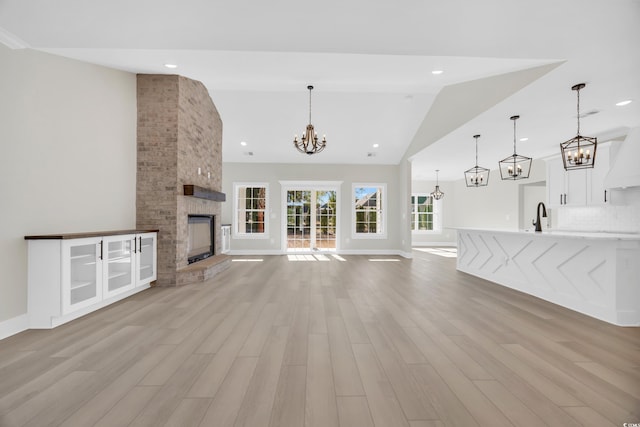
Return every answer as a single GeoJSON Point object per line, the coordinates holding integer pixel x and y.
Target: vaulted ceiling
{"type": "Point", "coordinates": [371, 63]}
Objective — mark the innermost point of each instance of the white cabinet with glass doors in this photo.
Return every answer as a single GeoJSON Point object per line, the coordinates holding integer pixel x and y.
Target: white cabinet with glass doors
{"type": "Point", "coordinates": [118, 274]}
{"type": "Point", "coordinates": [81, 273]}
{"type": "Point", "coordinates": [69, 277]}
{"type": "Point", "coordinates": [146, 255]}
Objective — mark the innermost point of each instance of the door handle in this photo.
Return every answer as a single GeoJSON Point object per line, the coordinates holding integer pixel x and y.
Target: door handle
{"type": "Point", "coordinates": [135, 245]}
{"type": "Point", "coordinates": [605, 196]}
{"type": "Point", "coordinates": [101, 249]}
{"type": "Point", "coordinates": [140, 244]}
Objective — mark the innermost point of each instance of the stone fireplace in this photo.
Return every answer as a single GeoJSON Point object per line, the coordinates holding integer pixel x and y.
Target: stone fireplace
{"type": "Point", "coordinates": [179, 143]}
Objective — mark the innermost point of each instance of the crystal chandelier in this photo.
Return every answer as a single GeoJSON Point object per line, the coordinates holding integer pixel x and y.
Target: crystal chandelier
{"type": "Point", "coordinates": [437, 194]}
{"type": "Point", "coordinates": [515, 166]}
{"type": "Point", "coordinates": [477, 176]}
{"type": "Point", "coordinates": [580, 151]}
{"type": "Point", "coordinates": [309, 143]}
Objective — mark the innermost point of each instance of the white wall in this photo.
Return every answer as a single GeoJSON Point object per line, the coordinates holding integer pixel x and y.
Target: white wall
{"type": "Point", "coordinates": [348, 174]}
{"type": "Point", "coordinates": [531, 195]}
{"type": "Point", "coordinates": [67, 156]}
{"type": "Point", "coordinates": [497, 205]}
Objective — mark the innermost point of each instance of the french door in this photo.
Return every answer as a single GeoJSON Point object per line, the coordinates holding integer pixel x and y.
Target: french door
{"type": "Point", "coordinates": [311, 219]}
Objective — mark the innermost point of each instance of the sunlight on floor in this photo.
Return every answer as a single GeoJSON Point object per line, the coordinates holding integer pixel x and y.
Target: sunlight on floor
{"type": "Point", "coordinates": [338, 257]}
{"type": "Point", "coordinates": [447, 252]}
{"type": "Point", "coordinates": [318, 257]}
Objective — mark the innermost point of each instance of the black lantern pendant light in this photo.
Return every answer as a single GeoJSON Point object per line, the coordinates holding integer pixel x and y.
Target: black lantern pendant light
{"type": "Point", "coordinates": [437, 194]}
{"type": "Point", "coordinates": [476, 176]}
{"type": "Point", "coordinates": [580, 151]}
{"type": "Point", "coordinates": [309, 143]}
{"type": "Point", "coordinates": [515, 166]}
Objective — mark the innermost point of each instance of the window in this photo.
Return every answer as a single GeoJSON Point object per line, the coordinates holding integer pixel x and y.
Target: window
{"type": "Point", "coordinates": [369, 210]}
{"type": "Point", "coordinates": [424, 213]}
{"type": "Point", "coordinates": [251, 206]}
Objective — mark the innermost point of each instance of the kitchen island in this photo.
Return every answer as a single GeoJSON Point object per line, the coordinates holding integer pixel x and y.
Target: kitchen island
{"type": "Point", "coordinates": [597, 274]}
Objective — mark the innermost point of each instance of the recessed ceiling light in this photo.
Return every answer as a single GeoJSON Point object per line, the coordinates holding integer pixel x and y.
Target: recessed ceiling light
{"type": "Point", "coordinates": [623, 103]}
{"type": "Point", "coordinates": [171, 66]}
{"type": "Point", "coordinates": [243, 143]}
{"type": "Point", "coordinates": [524, 139]}
{"type": "Point", "coordinates": [376, 145]}
{"type": "Point", "coordinates": [437, 72]}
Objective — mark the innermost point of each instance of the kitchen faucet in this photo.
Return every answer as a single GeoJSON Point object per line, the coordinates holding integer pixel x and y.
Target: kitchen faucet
{"type": "Point", "coordinates": [537, 222]}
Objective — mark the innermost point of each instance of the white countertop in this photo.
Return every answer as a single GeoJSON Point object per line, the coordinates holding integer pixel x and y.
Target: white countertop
{"type": "Point", "coordinates": [562, 233]}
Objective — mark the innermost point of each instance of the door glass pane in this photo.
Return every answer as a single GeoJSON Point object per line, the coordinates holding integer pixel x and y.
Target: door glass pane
{"type": "Point", "coordinates": [83, 273]}
{"type": "Point", "coordinates": [311, 219]}
{"type": "Point", "coordinates": [298, 219]}
{"type": "Point", "coordinates": [120, 261]}
{"type": "Point", "coordinates": [325, 220]}
{"type": "Point", "coordinates": [146, 258]}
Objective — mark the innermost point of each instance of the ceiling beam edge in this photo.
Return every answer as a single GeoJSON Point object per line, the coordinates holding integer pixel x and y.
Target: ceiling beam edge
{"type": "Point", "coordinates": [457, 104]}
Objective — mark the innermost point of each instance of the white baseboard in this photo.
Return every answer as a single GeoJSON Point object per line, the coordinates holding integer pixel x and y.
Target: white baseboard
{"type": "Point", "coordinates": [433, 244]}
{"type": "Point", "coordinates": [245, 252]}
{"type": "Point", "coordinates": [374, 252]}
{"type": "Point", "coordinates": [255, 252]}
{"type": "Point", "coordinates": [14, 326]}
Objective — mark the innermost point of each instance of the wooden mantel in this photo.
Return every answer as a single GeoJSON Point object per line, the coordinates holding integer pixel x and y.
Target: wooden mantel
{"type": "Point", "coordinates": [204, 193]}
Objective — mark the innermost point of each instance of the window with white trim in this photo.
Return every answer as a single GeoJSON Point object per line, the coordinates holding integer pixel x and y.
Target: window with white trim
{"type": "Point", "coordinates": [369, 210]}
{"type": "Point", "coordinates": [251, 219]}
{"type": "Point", "coordinates": [425, 213]}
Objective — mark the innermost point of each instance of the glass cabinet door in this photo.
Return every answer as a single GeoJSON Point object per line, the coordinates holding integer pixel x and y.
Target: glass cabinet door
{"type": "Point", "coordinates": [147, 258]}
{"type": "Point", "coordinates": [81, 270]}
{"type": "Point", "coordinates": [118, 264]}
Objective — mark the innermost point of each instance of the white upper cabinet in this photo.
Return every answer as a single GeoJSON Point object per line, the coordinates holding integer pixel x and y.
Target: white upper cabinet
{"type": "Point", "coordinates": [579, 187]}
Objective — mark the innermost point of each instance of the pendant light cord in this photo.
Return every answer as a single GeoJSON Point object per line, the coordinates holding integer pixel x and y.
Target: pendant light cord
{"type": "Point", "coordinates": [514, 138]}
{"type": "Point", "coordinates": [578, 111]}
{"type": "Point", "coordinates": [476, 151]}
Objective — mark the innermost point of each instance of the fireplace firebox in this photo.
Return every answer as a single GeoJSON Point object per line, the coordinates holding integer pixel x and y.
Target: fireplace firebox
{"type": "Point", "coordinates": [201, 237]}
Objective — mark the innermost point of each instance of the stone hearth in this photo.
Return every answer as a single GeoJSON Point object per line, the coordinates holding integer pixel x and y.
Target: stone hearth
{"type": "Point", "coordinates": [179, 142]}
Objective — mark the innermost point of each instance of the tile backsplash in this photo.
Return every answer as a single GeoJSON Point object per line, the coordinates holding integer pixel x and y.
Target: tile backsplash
{"type": "Point", "coordinates": [611, 218]}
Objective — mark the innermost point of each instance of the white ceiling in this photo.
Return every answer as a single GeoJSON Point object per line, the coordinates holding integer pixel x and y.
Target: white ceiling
{"type": "Point", "coordinates": [370, 63]}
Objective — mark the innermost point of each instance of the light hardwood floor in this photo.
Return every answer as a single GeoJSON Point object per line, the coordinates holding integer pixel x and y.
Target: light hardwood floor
{"type": "Point", "coordinates": [351, 343]}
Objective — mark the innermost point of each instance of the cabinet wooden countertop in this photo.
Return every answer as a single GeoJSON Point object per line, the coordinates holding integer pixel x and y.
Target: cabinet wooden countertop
{"type": "Point", "coordinates": [66, 236]}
